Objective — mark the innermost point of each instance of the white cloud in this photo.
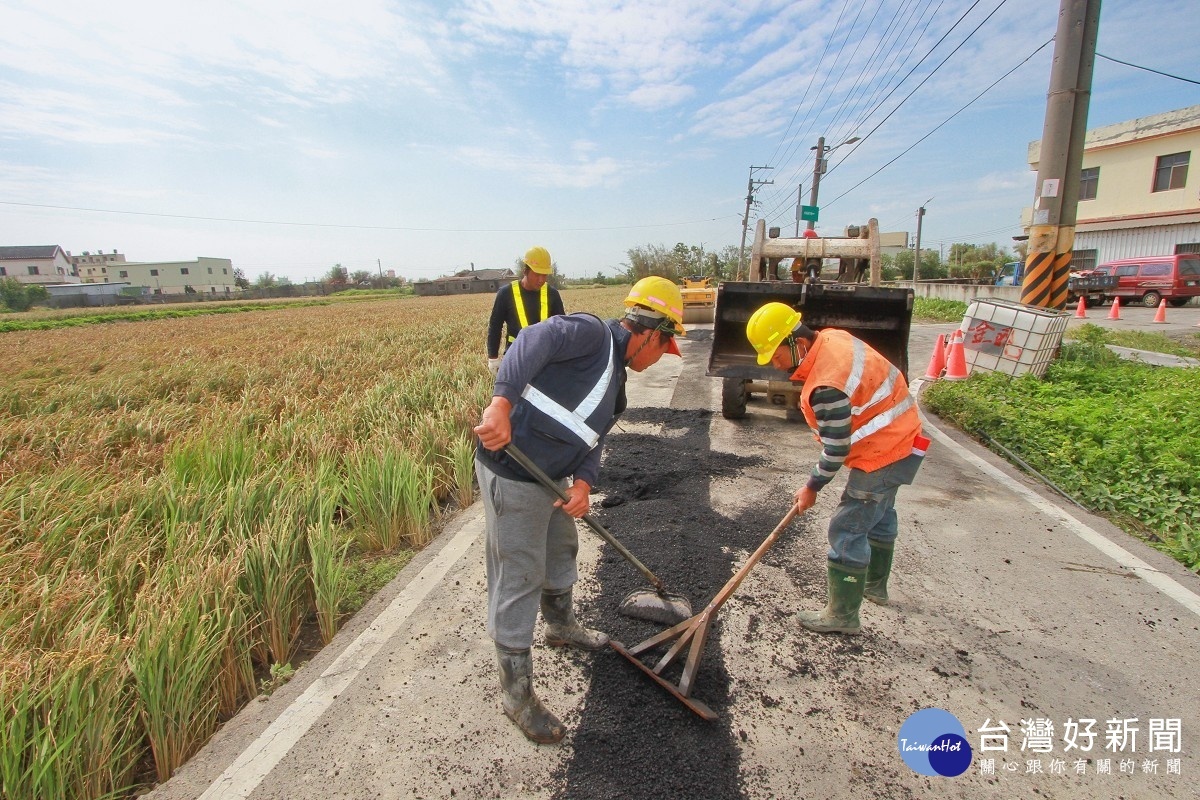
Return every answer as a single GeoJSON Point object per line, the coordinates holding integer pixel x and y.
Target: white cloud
{"type": "Point", "coordinates": [1005, 181]}
{"type": "Point", "coordinates": [579, 173]}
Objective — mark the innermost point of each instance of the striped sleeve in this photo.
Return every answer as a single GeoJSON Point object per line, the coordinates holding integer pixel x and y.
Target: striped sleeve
{"type": "Point", "coordinates": [831, 407]}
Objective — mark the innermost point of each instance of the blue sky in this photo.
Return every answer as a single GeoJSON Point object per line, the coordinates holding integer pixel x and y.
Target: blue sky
{"type": "Point", "coordinates": [426, 137]}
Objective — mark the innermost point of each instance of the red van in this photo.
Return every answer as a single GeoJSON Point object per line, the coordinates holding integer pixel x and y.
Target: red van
{"type": "Point", "coordinates": [1149, 279]}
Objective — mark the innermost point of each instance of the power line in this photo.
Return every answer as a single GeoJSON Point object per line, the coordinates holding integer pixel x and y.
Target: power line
{"type": "Point", "coordinates": [1156, 72]}
{"type": "Point", "coordinates": [777, 200]}
{"type": "Point", "coordinates": [940, 124]}
{"type": "Point", "coordinates": [899, 83]}
{"type": "Point", "coordinates": [933, 72]}
{"type": "Point", "coordinates": [355, 227]}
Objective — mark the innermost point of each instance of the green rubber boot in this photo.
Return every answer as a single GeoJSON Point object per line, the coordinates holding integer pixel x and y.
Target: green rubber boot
{"type": "Point", "coordinates": [521, 704]}
{"type": "Point", "coordinates": [878, 571]}
{"type": "Point", "coordinates": [563, 629]}
{"type": "Point", "coordinates": [840, 614]}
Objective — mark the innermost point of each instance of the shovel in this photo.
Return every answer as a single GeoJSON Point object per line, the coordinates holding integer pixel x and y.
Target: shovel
{"type": "Point", "coordinates": [657, 605]}
{"type": "Point", "coordinates": [694, 632]}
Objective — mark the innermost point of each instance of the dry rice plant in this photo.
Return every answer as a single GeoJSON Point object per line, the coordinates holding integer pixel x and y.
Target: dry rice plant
{"type": "Point", "coordinates": [159, 484]}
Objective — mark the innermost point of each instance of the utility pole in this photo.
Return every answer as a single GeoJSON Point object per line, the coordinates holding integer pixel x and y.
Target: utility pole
{"type": "Point", "coordinates": [1052, 234]}
{"type": "Point", "coordinates": [817, 170]}
{"type": "Point", "coordinates": [917, 251]}
{"type": "Point", "coordinates": [799, 202]}
{"type": "Point", "coordinates": [751, 185]}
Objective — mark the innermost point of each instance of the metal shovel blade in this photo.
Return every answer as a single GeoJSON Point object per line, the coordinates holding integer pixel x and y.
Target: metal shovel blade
{"type": "Point", "coordinates": [661, 607]}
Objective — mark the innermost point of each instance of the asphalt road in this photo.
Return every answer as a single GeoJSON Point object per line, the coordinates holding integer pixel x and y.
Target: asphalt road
{"type": "Point", "coordinates": [1014, 611]}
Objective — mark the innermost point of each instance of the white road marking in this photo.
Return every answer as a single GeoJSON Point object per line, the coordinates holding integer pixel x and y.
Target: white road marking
{"type": "Point", "coordinates": [247, 771]}
{"type": "Point", "coordinates": [1152, 576]}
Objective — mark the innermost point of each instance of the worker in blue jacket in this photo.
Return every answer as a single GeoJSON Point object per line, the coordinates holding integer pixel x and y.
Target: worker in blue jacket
{"type": "Point", "coordinates": [559, 390]}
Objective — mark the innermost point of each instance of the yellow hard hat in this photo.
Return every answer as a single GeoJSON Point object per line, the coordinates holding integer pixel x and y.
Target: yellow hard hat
{"type": "Point", "coordinates": [768, 326]}
{"type": "Point", "coordinates": [538, 260]}
{"type": "Point", "coordinates": [660, 296]}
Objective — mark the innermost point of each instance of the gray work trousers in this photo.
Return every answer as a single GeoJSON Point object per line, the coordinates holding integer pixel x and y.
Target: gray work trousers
{"type": "Point", "coordinates": [531, 547]}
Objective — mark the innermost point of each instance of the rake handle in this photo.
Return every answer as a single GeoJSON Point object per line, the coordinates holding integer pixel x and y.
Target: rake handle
{"type": "Point", "coordinates": [545, 480]}
{"type": "Point", "coordinates": [736, 580]}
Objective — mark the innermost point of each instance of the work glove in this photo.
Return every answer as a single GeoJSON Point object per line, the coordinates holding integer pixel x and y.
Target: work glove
{"type": "Point", "coordinates": [493, 366]}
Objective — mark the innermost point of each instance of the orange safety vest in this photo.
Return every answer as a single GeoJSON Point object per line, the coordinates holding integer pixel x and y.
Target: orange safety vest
{"type": "Point", "coordinates": [883, 417]}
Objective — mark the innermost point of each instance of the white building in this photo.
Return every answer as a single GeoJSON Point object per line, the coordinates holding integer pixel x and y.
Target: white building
{"type": "Point", "coordinates": [1136, 196]}
{"type": "Point", "coordinates": [40, 264]}
{"type": "Point", "coordinates": [93, 267]}
{"type": "Point", "coordinates": [209, 276]}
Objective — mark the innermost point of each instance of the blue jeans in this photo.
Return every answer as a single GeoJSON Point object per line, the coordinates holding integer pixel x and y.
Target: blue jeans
{"type": "Point", "coordinates": [867, 512]}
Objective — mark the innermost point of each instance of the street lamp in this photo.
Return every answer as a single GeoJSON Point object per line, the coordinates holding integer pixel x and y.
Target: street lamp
{"type": "Point", "coordinates": [819, 167]}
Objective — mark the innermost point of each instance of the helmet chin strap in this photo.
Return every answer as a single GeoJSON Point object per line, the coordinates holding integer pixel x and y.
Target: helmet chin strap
{"type": "Point", "coordinates": [796, 356]}
{"type": "Point", "coordinates": [645, 342]}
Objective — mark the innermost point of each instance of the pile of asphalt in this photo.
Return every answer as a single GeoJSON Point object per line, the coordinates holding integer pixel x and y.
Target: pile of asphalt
{"type": "Point", "coordinates": [633, 739]}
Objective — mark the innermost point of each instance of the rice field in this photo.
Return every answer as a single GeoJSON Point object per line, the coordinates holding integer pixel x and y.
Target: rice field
{"type": "Point", "coordinates": [179, 497]}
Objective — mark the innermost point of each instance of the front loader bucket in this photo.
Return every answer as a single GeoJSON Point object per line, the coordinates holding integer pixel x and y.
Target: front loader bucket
{"type": "Point", "coordinates": [879, 316]}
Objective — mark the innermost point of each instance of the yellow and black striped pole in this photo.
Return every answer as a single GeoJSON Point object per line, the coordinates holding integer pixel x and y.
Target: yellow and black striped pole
{"type": "Point", "coordinates": [1060, 156]}
{"type": "Point", "coordinates": [1048, 266]}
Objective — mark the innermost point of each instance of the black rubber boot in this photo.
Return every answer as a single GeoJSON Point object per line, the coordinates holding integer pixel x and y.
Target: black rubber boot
{"type": "Point", "coordinates": [521, 704]}
{"type": "Point", "coordinates": [840, 614]}
{"type": "Point", "coordinates": [875, 589]}
{"type": "Point", "coordinates": [561, 626]}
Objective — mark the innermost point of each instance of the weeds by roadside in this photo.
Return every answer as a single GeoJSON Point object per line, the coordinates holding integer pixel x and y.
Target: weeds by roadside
{"type": "Point", "coordinates": [1120, 437]}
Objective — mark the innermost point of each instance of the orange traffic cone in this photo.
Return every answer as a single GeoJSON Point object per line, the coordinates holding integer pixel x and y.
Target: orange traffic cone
{"type": "Point", "coordinates": [956, 364]}
{"type": "Point", "coordinates": [1115, 311]}
{"type": "Point", "coordinates": [1081, 310]}
{"type": "Point", "coordinates": [937, 362]}
{"type": "Point", "coordinates": [1161, 314]}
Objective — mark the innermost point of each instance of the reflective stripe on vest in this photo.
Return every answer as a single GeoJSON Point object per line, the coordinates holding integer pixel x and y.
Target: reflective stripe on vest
{"type": "Point", "coordinates": [522, 317]}
{"type": "Point", "coordinates": [885, 390]}
{"type": "Point", "coordinates": [575, 420]}
{"type": "Point", "coordinates": [883, 422]}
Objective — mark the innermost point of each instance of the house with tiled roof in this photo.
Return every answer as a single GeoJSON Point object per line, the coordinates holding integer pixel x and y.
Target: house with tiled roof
{"type": "Point", "coordinates": [37, 264]}
{"type": "Point", "coordinates": [467, 281]}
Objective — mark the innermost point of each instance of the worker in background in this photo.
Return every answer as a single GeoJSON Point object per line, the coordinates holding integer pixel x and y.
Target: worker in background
{"type": "Point", "coordinates": [559, 390]}
{"type": "Point", "coordinates": [858, 404]}
{"type": "Point", "coordinates": [807, 270]}
{"type": "Point", "coordinates": [525, 301]}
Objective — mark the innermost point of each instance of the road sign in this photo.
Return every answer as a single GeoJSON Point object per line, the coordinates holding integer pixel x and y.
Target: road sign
{"type": "Point", "coordinates": [809, 213]}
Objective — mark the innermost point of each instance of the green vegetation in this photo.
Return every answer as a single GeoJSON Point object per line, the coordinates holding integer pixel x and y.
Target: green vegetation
{"type": "Point", "coordinates": [16, 296]}
{"type": "Point", "coordinates": [75, 317]}
{"type": "Point", "coordinates": [928, 309]}
{"type": "Point", "coordinates": [1120, 437]}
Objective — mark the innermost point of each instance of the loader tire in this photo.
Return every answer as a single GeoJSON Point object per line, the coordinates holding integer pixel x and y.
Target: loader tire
{"type": "Point", "coordinates": [733, 398]}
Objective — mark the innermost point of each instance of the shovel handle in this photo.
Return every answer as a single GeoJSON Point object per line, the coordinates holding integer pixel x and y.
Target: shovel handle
{"type": "Point", "coordinates": [544, 479]}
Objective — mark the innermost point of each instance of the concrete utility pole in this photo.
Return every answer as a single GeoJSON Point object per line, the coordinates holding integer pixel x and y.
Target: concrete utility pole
{"type": "Point", "coordinates": [812, 198]}
{"type": "Point", "coordinates": [751, 185]}
{"type": "Point", "coordinates": [917, 250]}
{"type": "Point", "coordinates": [819, 169]}
{"type": "Point", "coordinates": [799, 203]}
{"type": "Point", "coordinates": [1052, 234]}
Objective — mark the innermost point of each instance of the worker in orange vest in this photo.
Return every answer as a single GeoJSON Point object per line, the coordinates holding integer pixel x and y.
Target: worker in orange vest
{"type": "Point", "coordinates": [858, 404]}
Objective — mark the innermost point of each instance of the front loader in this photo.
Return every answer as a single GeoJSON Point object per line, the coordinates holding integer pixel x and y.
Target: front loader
{"type": "Point", "coordinates": [880, 316]}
